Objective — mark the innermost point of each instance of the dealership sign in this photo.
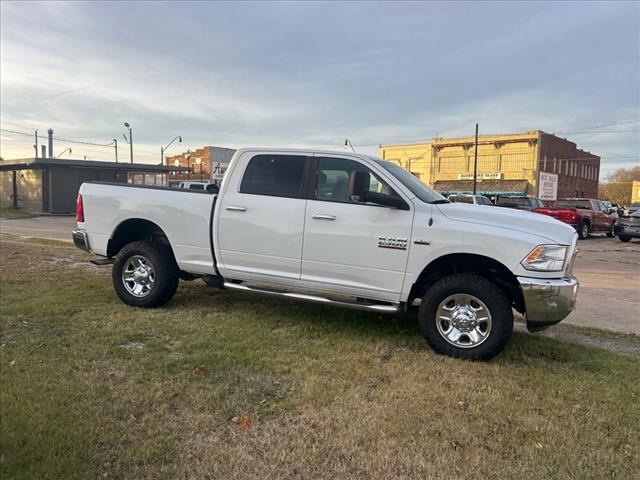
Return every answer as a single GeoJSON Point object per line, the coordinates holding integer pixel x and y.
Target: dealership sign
{"type": "Point", "coordinates": [548, 186]}
{"type": "Point", "coordinates": [217, 171]}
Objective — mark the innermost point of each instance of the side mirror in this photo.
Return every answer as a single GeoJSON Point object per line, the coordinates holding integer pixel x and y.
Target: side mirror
{"type": "Point", "coordinates": [359, 183]}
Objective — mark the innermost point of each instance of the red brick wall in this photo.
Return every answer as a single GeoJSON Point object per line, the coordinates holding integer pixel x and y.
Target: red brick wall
{"type": "Point", "coordinates": [189, 159]}
{"type": "Point", "coordinates": [577, 170]}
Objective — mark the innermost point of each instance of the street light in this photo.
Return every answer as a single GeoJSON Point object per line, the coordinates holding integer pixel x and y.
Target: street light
{"type": "Point", "coordinates": [130, 140]}
{"type": "Point", "coordinates": [162, 150]}
{"type": "Point", "coordinates": [187, 156]}
{"type": "Point", "coordinates": [63, 152]}
{"type": "Point", "coordinates": [199, 163]}
{"type": "Point", "coordinates": [347, 142]}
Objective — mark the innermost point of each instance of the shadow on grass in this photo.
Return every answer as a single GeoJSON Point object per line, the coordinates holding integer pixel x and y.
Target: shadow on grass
{"type": "Point", "coordinates": [400, 329]}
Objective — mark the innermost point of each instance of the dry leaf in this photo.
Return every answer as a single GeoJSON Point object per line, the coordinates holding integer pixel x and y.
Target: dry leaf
{"type": "Point", "coordinates": [199, 370]}
{"type": "Point", "coordinates": [244, 423]}
{"type": "Point", "coordinates": [538, 445]}
{"type": "Point", "coordinates": [12, 363]}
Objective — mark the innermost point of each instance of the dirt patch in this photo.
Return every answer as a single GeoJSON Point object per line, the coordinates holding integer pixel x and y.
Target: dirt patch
{"type": "Point", "coordinates": [626, 345]}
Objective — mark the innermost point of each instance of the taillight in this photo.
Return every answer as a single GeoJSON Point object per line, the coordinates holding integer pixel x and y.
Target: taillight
{"type": "Point", "coordinates": [79, 209]}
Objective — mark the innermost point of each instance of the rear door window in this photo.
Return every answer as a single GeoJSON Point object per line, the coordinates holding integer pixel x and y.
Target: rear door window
{"type": "Point", "coordinates": [275, 175]}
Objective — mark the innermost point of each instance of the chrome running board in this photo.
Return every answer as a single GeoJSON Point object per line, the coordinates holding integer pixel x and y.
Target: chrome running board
{"type": "Point", "coordinates": [315, 299]}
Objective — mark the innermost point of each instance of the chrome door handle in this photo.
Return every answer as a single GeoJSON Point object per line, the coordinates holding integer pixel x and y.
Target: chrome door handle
{"type": "Point", "coordinates": [236, 209]}
{"type": "Point", "coordinates": [322, 216]}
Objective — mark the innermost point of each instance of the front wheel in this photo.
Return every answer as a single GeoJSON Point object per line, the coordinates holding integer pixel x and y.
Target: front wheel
{"type": "Point", "coordinates": [624, 238]}
{"type": "Point", "coordinates": [611, 233]}
{"type": "Point", "coordinates": [467, 316]}
{"type": "Point", "coordinates": [145, 274]}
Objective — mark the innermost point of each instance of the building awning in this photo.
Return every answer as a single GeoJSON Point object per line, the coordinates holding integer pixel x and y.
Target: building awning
{"type": "Point", "coordinates": [483, 187]}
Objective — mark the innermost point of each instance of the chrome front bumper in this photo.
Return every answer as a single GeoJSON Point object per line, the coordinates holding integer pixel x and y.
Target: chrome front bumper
{"type": "Point", "coordinates": [80, 240]}
{"type": "Point", "coordinates": [547, 301]}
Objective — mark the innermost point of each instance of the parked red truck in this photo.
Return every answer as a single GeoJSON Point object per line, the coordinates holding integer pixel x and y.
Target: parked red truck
{"type": "Point", "coordinates": [586, 215]}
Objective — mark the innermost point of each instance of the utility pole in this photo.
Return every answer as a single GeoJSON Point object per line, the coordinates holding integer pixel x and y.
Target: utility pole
{"type": "Point", "coordinates": [36, 145]}
{"type": "Point", "coordinates": [115, 145]}
{"type": "Point", "coordinates": [50, 133]}
{"type": "Point", "coordinates": [475, 163]}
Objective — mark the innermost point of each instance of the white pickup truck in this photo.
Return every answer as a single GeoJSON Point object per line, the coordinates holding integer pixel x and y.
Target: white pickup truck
{"type": "Point", "coordinates": [342, 229]}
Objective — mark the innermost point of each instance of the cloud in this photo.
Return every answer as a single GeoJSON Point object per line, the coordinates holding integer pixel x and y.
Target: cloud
{"type": "Point", "coordinates": [313, 73]}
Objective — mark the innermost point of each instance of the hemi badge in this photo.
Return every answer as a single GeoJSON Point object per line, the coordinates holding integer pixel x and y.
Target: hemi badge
{"type": "Point", "coordinates": [421, 242]}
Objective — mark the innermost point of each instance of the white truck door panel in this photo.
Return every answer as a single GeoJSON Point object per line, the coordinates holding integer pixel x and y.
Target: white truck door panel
{"type": "Point", "coordinates": [259, 228]}
{"type": "Point", "coordinates": [353, 248]}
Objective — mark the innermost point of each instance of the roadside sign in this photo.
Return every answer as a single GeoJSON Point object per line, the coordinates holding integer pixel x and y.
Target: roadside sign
{"type": "Point", "coordinates": [548, 186]}
{"type": "Point", "coordinates": [217, 171]}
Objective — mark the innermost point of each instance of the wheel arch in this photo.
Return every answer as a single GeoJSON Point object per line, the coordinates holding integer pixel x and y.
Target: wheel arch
{"type": "Point", "coordinates": [482, 265]}
{"type": "Point", "coordinates": [135, 229]}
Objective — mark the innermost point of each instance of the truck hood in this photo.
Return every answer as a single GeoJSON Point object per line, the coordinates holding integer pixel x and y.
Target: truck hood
{"type": "Point", "coordinates": [527, 222]}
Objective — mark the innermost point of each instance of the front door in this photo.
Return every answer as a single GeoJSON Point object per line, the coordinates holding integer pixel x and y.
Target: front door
{"type": "Point", "coordinates": [261, 219]}
{"type": "Point", "coordinates": [351, 247]}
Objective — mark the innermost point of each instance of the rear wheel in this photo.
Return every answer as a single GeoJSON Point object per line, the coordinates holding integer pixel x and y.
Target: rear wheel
{"type": "Point", "coordinates": [145, 274]}
{"type": "Point", "coordinates": [624, 238]}
{"type": "Point", "coordinates": [467, 316]}
{"type": "Point", "coordinates": [583, 230]}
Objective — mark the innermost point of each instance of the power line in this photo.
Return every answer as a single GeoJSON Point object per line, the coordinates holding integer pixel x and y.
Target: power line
{"type": "Point", "coordinates": [626, 122]}
{"type": "Point", "coordinates": [66, 140]}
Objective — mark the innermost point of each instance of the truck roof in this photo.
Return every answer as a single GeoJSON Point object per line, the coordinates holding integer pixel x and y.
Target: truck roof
{"type": "Point", "coordinates": [303, 150]}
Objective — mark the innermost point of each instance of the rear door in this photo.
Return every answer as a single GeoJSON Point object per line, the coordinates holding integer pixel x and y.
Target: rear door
{"type": "Point", "coordinates": [352, 247]}
{"type": "Point", "coordinates": [261, 218]}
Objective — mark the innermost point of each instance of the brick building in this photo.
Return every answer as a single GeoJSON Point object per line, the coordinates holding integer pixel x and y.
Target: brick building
{"type": "Point", "coordinates": [507, 164]}
{"type": "Point", "coordinates": [204, 164]}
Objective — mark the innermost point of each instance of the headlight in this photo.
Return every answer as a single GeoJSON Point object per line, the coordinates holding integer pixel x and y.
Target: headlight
{"type": "Point", "coordinates": [546, 258]}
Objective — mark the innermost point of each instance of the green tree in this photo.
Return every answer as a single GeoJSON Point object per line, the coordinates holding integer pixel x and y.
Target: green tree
{"type": "Point", "coordinates": [617, 188]}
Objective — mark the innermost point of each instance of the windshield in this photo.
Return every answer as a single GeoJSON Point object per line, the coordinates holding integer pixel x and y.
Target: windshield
{"type": "Point", "coordinates": [513, 202]}
{"type": "Point", "coordinates": [419, 189]}
{"type": "Point", "coordinates": [581, 204]}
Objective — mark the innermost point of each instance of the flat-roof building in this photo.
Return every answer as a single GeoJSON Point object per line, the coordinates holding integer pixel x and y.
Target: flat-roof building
{"type": "Point", "coordinates": [508, 164]}
{"type": "Point", "coordinates": [50, 185]}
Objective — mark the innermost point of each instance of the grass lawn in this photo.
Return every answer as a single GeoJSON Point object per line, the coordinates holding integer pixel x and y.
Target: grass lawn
{"type": "Point", "coordinates": [11, 213]}
{"type": "Point", "coordinates": [221, 384]}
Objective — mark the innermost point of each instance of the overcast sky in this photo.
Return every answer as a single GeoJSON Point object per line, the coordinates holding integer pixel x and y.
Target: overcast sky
{"type": "Point", "coordinates": [311, 74]}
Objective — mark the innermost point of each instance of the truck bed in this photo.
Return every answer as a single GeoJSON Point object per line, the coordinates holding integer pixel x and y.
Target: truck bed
{"type": "Point", "coordinates": [183, 215]}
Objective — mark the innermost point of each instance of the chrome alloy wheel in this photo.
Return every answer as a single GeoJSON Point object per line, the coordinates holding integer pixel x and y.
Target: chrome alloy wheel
{"type": "Point", "coordinates": [463, 320]}
{"type": "Point", "coordinates": [138, 276]}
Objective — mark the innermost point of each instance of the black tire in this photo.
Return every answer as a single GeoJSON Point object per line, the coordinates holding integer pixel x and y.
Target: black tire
{"type": "Point", "coordinates": [624, 238]}
{"type": "Point", "coordinates": [583, 230]}
{"type": "Point", "coordinates": [166, 274]}
{"type": "Point", "coordinates": [611, 233]}
{"type": "Point", "coordinates": [488, 293]}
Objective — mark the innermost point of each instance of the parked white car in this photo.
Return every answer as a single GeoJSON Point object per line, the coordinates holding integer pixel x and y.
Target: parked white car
{"type": "Point", "coordinates": [343, 229]}
{"type": "Point", "coordinates": [209, 187]}
{"type": "Point", "coordinates": [469, 198]}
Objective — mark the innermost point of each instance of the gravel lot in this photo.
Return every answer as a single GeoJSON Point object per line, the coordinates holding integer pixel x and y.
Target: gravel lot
{"type": "Point", "coordinates": [608, 271]}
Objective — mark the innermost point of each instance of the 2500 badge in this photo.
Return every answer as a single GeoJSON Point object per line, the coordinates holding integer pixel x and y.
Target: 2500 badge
{"type": "Point", "coordinates": [395, 243]}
